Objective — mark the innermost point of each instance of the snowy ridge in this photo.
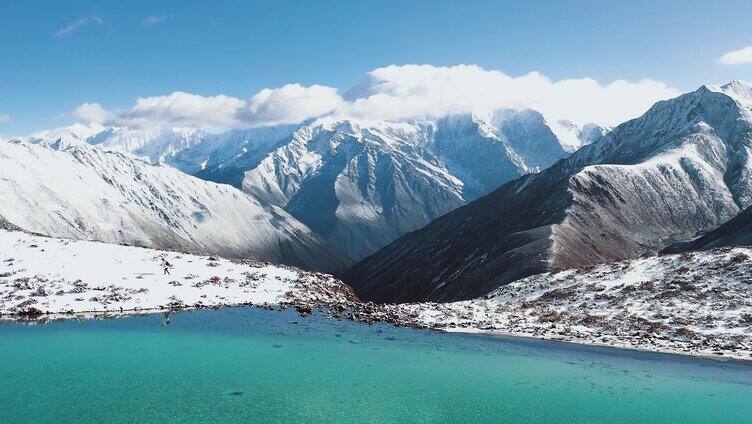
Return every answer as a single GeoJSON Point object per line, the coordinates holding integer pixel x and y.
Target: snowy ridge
{"type": "Point", "coordinates": [87, 193]}
{"type": "Point", "coordinates": [64, 279]}
{"type": "Point", "coordinates": [62, 138]}
{"type": "Point", "coordinates": [219, 157]}
{"type": "Point", "coordinates": [168, 146]}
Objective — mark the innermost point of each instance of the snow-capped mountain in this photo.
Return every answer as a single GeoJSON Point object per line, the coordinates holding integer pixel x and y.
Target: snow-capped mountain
{"type": "Point", "coordinates": [573, 137]}
{"type": "Point", "coordinates": [83, 192]}
{"type": "Point", "coordinates": [358, 184]}
{"type": "Point", "coordinates": [681, 169]}
{"type": "Point", "coordinates": [362, 184]}
{"type": "Point", "coordinates": [183, 149]}
{"type": "Point", "coordinates": [234, 152]}
{"type": "Point", "coordinates": [219, 157]}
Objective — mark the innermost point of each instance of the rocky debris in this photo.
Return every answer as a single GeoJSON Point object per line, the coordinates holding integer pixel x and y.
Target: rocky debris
{"type": "Point", "coordinates": [304, 310]}
{"type": "Point", "coordinates": [691, 303]}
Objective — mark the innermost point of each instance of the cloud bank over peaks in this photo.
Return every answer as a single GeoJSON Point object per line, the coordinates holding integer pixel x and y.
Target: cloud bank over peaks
{"type": "Point", "coordinates": [396, 93]}
{"type": "Point", "coordinates": [290, 104]}
{"type": "Point", "coordinates": [406, 91]}
{"type": "Point", "coordinates": [178, 109]}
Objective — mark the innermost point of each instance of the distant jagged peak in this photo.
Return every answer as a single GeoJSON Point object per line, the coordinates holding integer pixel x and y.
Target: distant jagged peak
{"type": "Point", "coordinates": [64, 137]}
{"type": "Point", "coordinates": [356, 126]}
{"type": "Point", "coordinates": [592, 132]}
{"type": "Point", "coordinates": [740, 91]}
{"type": "Point", "coordinates": [569, 134]}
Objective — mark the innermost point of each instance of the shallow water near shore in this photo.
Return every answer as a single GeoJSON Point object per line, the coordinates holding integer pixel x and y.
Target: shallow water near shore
{"type": "Point", "coordinates": [257, 365]}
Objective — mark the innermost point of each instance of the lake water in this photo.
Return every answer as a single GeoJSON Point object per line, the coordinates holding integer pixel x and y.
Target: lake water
{"type": "Point", "coordinates": [254, 365]}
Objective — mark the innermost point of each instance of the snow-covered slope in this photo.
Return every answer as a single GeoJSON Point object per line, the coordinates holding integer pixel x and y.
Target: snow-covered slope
{"type": "Point", "coordinates": [681, 169]}
{"type": "Point", "coordinates": [83, 192]}
{"type": "Point", "coordinates": [689, 303]}
{"type": "Point", "coordinates": [362, 184]}
{"type": "Point", "coordinates": [67, 278]}
{"type": "Point", "coordinates": [573, 137]}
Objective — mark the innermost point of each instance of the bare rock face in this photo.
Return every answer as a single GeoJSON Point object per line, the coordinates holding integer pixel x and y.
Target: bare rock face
{"type": "Point", "coordinates": [735, 232]}
{"type": "Point", "coordinates": [676, 172]}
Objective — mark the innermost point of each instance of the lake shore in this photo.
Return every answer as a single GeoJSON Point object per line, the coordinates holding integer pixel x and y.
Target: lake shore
{"type": "Point", "coordinates": [345, 311]}
{"type": "Point", "coordinates": [44, 279]}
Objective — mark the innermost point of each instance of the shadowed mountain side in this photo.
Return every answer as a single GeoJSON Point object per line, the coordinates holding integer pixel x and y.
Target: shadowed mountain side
{"type": "Point", "coordinates": [679, 170]}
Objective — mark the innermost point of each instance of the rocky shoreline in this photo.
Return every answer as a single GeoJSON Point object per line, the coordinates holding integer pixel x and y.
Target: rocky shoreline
{"type": "Point", "coordinates": [696, 304]}
{"type": "Point", "coordinates": [409, 316]}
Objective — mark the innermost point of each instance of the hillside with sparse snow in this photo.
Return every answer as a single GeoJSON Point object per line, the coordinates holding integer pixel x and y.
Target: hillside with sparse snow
{"type": "Point", "coordinates": [692, 303]}
{"type": "Point", "coordinates": [57, 278]}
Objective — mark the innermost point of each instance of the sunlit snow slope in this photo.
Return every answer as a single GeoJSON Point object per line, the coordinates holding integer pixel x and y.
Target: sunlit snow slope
{"type": "Point", "coordinates": [44, 275]}
{"type": "Point", "coordinates": [82, 192]}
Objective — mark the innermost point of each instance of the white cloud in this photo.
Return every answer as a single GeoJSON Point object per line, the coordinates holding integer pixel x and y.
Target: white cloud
{"type": "Point", "coordinates": [178, 109]}
{"type": "Point", "coordinates": [154, 20]}
{"type": "Point", "coordinates": [4, 118]}
{"type": "Point", "coordinates": [737, 57]}
{"type": "Point", "coordinates": [290, 104]}
{"type": "Point", "coordinates": [398, 93]}
{"type": "Point", "coordinates": [93, 112]}
{"type": "Point", "coordinates": [73, 26]}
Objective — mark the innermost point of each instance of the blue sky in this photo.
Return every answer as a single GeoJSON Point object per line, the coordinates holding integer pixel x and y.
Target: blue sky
{"type": "Point", "coordinates": [117, 53]}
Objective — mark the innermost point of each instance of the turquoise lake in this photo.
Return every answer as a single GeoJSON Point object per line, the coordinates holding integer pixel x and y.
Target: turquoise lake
{"type": "Point", "coordinates": [254, 365]}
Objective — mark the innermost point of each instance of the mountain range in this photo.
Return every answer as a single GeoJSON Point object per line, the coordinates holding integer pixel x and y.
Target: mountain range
{"type": "Point", "coordinates": [443, 209]}
{"type": "Point", "coordinates": [357, 184]}
{"type": "Point", "coordinates": [678, 171]}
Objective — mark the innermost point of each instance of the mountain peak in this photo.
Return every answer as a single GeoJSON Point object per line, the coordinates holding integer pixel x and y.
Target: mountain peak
{"type": "Point", "coordinates": [739, 90]}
